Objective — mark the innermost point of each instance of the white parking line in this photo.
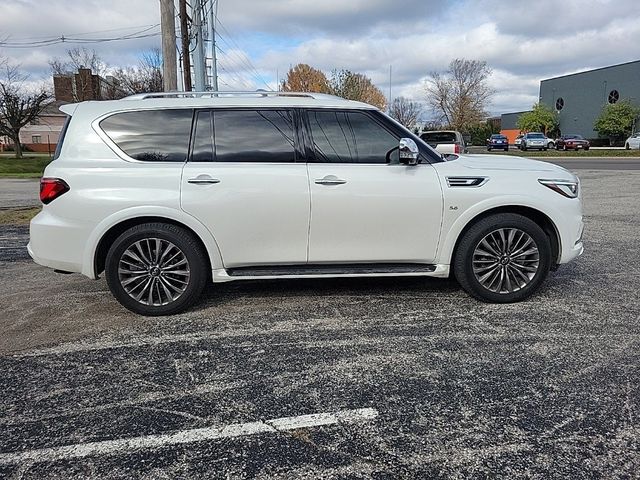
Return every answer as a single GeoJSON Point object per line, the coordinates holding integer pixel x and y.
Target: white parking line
{"type": "Point", "coordinates": [127, 445]}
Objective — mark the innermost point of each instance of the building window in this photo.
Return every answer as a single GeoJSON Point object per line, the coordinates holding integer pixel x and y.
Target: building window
{"type": "Point", "coordinates": [559, 104]}
{"type": "Point", "coordinates": [35, 139]}
{"type": "Point", "coordinates": [614, 96]}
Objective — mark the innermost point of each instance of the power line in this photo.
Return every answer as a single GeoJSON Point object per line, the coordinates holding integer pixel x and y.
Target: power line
{"type": "Point", "coordinates": [246, 59]}
{"type": "Point", "coordinates": [74, 40]}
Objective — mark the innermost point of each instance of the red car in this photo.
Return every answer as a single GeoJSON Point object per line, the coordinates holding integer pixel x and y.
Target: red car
{"type": "Point", "coordinates": [572, 142]}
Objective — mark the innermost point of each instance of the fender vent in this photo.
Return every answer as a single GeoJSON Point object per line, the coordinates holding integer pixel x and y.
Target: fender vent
{"type": "Point", "coordinates": [466, 181]}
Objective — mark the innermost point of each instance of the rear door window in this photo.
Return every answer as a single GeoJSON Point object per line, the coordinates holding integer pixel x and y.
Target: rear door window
{"type": "Point", "coordinates": [253, 136]}
{"type": "Point", "coordinates": [151, 135]}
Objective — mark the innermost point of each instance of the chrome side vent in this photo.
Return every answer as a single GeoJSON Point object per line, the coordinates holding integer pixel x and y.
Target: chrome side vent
{"type": "Point", "coordinates": [466, 181]}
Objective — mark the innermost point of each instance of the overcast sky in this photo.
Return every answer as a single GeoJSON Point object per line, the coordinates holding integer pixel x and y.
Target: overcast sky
{"type": "Point", "coordinates": [522, 41]}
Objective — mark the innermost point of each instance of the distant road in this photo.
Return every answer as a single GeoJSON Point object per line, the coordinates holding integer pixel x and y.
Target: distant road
{"type": "Point", "coordinates": [595, 163]}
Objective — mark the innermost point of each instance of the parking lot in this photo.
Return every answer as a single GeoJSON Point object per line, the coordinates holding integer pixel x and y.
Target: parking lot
{"type": "Point", "coordinates": [371, 378]}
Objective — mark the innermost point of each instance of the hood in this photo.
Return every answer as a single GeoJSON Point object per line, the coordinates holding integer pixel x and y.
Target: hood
{"type": "Point", "coordinates": [506, 162]}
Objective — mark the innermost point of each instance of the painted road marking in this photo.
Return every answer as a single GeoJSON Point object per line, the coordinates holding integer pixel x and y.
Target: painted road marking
{"type": "Point", "coordinates": [127, 445]}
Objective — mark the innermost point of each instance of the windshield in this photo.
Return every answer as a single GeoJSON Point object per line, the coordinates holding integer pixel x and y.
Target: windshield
{"type": "Point", "coordinates": [535, 135]}
{"type": "Point", "coordinates": [439, 137]}
{"type": "Point", "coordinates": [577, 137]}
{"type": "Point", "coordinates": [498, 137]}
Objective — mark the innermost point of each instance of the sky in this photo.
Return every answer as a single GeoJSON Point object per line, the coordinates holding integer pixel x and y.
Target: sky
{"type": "Point", "coordinates": [523, 42]}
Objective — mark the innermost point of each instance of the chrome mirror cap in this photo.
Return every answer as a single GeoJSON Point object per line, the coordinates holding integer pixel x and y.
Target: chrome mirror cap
{"type": "Point", "coordinates": [408, 151]}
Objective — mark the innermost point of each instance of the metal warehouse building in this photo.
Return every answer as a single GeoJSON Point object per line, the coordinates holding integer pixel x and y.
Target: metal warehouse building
{"type": "Point", "coordinates": [579, 97]}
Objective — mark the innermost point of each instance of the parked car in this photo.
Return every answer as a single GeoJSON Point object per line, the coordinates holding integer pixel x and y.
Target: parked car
{"type": "Point", "coordinates": [445, 141]}
{"type": "Point", "coordinates": [572, 142]}
{"type": "Point", "coordinates": [497, 141]}
{"type": "Point", "coordinates": [534, 140]}
{"type": "Point", "coordinates": [551, 143]}
{"type": "Point", "coordinates": [633, 142]}
{"type": "Point", "coordinates": [162, 193]}
{"type": "Point", "coordinates": [518, 141]}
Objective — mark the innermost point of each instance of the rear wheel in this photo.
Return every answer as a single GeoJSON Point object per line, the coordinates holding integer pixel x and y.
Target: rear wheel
{"type": "Point", "coordinates": [626, 146]}
{"type": "Point", "coordinates": [156, 269]}
{"type": "Point", "coordinates": [503, 258]}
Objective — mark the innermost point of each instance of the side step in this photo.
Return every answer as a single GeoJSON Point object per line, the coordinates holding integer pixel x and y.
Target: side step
{"type": "Point", "coordinates": [330, 269]}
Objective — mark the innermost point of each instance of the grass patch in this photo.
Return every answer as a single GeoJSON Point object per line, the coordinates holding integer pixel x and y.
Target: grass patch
{"type": "Point", "coordinates": [18, 216]}
{"type": "Point", "coordinates": [30, 166]}
{"type": "Point", "coordinates": [570, 153]}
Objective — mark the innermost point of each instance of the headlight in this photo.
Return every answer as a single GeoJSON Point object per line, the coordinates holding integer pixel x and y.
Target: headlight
{"type": "Point", "coordinates": [566, 188]}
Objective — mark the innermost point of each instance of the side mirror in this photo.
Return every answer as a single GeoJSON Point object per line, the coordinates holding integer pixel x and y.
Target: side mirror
{"type": "Point", "coordinates": [408, 151]}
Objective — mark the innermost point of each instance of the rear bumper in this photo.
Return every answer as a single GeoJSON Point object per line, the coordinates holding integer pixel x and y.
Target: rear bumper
{"type": "Point", "coordinates": [57, 243]}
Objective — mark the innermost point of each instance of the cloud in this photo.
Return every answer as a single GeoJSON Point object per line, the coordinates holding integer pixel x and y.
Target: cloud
{"type": "Point", "coordinates": [522, 41]}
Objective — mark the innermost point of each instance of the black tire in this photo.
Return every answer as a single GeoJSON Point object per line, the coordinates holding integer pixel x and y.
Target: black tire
{"type": "Point", "coordinates": [488, 149]}
{"type": "Point", "coordinates": [524, 148]}
{"type": "Point", "coordinates": [627, 146]}
{"type": "Point", "coordinates": [197, 266]}
{"type": "Point", "coordinates": [586, 148]}
{"type": "Point", "coordinates": [463, 261]}
{"type": "Point", "coordinates": [506, 149]}
{"type": "Point", "coordinates": [545, 149]}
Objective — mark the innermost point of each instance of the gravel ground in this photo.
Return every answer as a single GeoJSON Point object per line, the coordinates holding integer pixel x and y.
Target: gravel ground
{"type": "Point", "coordinates": [549, 388]}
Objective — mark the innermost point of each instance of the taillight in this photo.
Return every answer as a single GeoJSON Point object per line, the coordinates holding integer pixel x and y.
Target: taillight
{"type": "Point", "coordinates": [52, 188]}
{"type": "Point", "coordinates": [456, 149]}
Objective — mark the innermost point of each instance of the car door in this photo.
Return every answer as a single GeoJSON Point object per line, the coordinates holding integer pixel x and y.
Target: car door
{"type": "Point", "coordinates": [365, 206]}
{"type": "Point", "coordinates": [635, 141]}
{"type": "Point", "coordinates": [242, 181]}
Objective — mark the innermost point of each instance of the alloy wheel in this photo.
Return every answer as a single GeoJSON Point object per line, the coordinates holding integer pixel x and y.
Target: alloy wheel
{"type": "Point", "coordinates": [154, 271]}
{"type": "Point", "coordinates": [506, 260]}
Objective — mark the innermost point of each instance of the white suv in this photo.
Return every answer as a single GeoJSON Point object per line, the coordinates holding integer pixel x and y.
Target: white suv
{"type": "Point", "coordinates": [164, 192]}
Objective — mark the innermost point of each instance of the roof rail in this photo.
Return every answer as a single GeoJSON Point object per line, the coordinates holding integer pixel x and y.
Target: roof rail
{"type": "Point", "coordinates": [214, 94]}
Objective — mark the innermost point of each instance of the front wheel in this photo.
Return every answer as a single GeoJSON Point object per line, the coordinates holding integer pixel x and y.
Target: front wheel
{"type": "Point", "coordinates": [503, 258]}
{"type": "Point", "coordinates": [156, 269]}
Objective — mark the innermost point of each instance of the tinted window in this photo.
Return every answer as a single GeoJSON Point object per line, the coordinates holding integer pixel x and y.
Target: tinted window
{"type": "Point", "coordinates": [151, 135]}
{"type": "Point", "coordinates": [535, 135]}
{"type": "Point", "coordinates": [254, 136]}
{"type": "Point", "coordinates": [63, 133]}
{"type": "Point", "coordinates": [439, 137]}
{"type": "Point", "coordinates": [351, 137]}
{"type": "Point", "coordinates": [203, 138]}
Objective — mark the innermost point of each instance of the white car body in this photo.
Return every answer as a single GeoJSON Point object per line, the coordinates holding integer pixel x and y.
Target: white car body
{"type": "Point", "coordinates": [633, 142]}
{"type": "Point", "coordinates": [261, 214]}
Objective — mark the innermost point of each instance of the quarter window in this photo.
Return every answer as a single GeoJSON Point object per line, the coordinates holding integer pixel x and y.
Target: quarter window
{"type": "Point", "coordinates": [151, 135]}
{"type": "Point", "coordinates": [351, 137]}
{"type": "Point", "coordinates": [254, 136]}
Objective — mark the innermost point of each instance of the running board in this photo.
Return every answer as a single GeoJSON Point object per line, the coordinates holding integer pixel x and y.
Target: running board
{"type": "Point", "coordinates": [331, 269]}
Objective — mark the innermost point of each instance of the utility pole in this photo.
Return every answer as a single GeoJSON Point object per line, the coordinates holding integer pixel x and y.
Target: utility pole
{"type": "Point", "coordinates": [184, 35]}
{"type": "Point", "coordinates": [199, 67]}
{"type": "Point", "coordinates": [213, 16]}
{"type": "Point", "coordinates": [169, 63]}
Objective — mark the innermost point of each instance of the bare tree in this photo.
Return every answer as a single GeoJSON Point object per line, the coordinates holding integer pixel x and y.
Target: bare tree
{"type": "Point", "coordinates": [405, 111]}
{"type": "Point", "coordinates": [78, 58]}
{"type": "Point", "coordinates": [461, 94]}
{"type": "Point", "coordinates": [19, 106]}
{"type": "Point", "coordinates": [305, 78]}
{"type": "Point", "coordinates": [143, 78]}
{"type": "Point", "coordinates": [356, 86]}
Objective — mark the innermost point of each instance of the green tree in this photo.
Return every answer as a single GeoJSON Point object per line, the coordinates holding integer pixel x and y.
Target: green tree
{"type": "Point", "coordinates": [540, 119]}
{"type": "Point", "coordinates": [616, 120]}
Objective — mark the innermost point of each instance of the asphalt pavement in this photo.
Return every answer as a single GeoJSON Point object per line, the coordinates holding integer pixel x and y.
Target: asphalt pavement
{"type": "Point", "coordinates": [357, 378]}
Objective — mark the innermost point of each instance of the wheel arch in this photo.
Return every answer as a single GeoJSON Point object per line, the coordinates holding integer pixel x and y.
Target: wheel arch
{"type": "Point", "coordinates": [105, 234]}
{"type": "Point", "coordinates": [537, 216]}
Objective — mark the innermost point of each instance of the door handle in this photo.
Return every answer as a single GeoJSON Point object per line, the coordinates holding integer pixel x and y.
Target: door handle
{"type": "Point", "coordinates": [203, 180]}
{"type": "Point", "coordinates": [330, 180]}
